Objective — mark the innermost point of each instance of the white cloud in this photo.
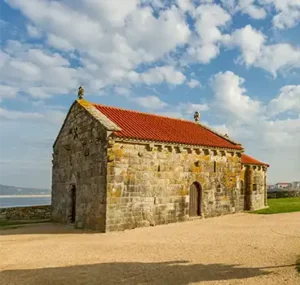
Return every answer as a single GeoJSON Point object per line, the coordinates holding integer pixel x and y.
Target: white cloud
{"type": "Point", "coordinates": [222, 129]}
{"type": "Point", "coordinates": [45, 92]}
{"type": "Point", "coordinates": [248, 7]}
{"type": "Point", "coordinates": [185, 5]}
{"type": "Point", "coordinates": [189, 108]}
{"type": "Point", "coordinates": [52, 116]}
{"type": "Point", "coordinates": [287, 100]}
{"type": "Point", "coordinates": [249, 41]}
{"type": "Point", "coordinates": [288, 12]}
{"type": "Point", "coordinates": [230, 96]}
{"type": "Point", "coordinates": [261, 137]}
{"type": "Point", "coordinates": [42, 59]}
{"type": "Point", "coordinates": [193, 83]}
{"type": "Point", "coordinates": [59, 43]}
{"type": "Point", "coordinates": [16, 115]}
{"type": "Point", "coordinates": [144, 31]}
{"type": "Point", "coordinates": [122, 91]}
{"type": "Point", "coordinates": [33, 31]}
{"type": "Point", "coordinates": [158, 75]}
{"type": "Point", "coordinates": [150, 102]}
{"type": "Point", "coordinates": [256, 52]}
{"type": "Point", "coordinates": [112, 13]}
{"type": "Point", "coordinates": [184, 110]}
{"type": "Point", "coordinates": [275, 142]}
{"type": "Point", "coordinates": [3, 58]}
{"type": "Point", "coordinates": [8, 91]}
{"type": "Point", "coordinates": [208, 20]}
{"type": "Point", "coordinates": [112, 38]}
{"type": "Point", "coordinates": [59, 19]}
{"type": "Point", "coordinates": [117, 44]}
{"type": "Point", "coordinates": [36, 72]}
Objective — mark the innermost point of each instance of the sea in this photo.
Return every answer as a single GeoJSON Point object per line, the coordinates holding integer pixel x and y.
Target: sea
{"type": "Point", "coordinates": [7, 202]}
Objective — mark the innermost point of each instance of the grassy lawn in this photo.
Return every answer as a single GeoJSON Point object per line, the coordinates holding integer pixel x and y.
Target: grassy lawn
{"type": "Point", "coordinates": [281, 205]}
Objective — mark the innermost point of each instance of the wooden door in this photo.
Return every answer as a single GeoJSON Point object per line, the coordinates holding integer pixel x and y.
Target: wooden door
{"type": "Point", "coordinates": [195, 200]}
{"type": "Point", "coordinates": [73, 204]}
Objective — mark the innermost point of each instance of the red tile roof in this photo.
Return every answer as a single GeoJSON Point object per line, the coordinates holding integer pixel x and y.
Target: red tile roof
{"type": "Point", "coordinates": [144, 126]}
{"type": "Point", "coordinates": [246, 159]}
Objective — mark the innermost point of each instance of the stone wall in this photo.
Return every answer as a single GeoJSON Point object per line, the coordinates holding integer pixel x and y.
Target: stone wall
{"type": "Point", "coordinates": [259, 188]}
{"type": "Point", "coordinates": [255, 188]}
{"type": "Point", "coordinates": [79, 159]}
{"type": "Point", "coordinates": [149, 184]}
{"type": "Point", "coordinates": [26, 213]}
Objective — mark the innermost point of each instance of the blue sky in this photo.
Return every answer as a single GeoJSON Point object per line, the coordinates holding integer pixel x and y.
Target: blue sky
{"type": "Point", "coordinates": [235, 61]}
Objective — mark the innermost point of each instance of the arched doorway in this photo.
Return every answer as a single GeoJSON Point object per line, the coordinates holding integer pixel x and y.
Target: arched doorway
{"type": "Point", "coordinates": [195, 200]}
{"type": "Point", "coordinates": [73, 204]}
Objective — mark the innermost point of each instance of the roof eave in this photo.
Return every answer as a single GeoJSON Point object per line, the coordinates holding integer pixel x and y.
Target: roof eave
{"type": "Point", "coordinates": [256, 164]}
{"type": "Point", "coordinates": [136, 140]}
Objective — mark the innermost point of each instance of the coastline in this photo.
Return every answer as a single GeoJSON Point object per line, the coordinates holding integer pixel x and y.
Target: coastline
{"type": "Point", "coordinates": [26, 196]}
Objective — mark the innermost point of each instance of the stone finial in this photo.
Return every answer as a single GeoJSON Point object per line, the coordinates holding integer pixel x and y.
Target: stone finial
{"type": "Point", "coordinates": [197, 116]}
{"type": "Point", "coordinates": [226, 136]}
{"type": "Point", "coordinates": [80, 92]}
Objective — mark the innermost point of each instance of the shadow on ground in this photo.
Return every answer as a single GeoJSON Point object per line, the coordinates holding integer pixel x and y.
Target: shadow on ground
{"type": "Point", "coordinates": [46, 228]}
{"type": "Point", "coordinates": [175, 273]}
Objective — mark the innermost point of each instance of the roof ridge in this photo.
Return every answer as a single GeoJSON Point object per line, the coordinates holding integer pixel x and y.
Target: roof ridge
{"type": "Point", "coordinates": [140, 112]}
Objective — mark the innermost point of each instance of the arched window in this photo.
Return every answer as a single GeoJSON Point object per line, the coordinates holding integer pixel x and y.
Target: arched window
{"type": "Point", "coordinates": [215, 166]}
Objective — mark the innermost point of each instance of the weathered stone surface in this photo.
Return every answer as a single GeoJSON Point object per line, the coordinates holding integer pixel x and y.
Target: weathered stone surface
{"type": "Point", "coordinates": [26, 213]}
{"type": "Point", "coordinates": [122, 185]}
{"type": "Point", "coordinates": [160, 178]}
{"type": "Point", "coordinates": [254, 188]}
{"type": "Point", "coordinates": [82, 164]}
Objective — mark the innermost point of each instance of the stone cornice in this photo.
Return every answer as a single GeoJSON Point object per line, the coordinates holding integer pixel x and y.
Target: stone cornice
{"type": "Point", "coordinates": [170, 144]}
{"type": "Point", "coordinates": [253, 164]}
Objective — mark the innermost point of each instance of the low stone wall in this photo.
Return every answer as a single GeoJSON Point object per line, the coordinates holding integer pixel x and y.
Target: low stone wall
{"type": "Point", "coordinates": [283, 193]}
{"type": "Point", "coordinates": [26, 213]}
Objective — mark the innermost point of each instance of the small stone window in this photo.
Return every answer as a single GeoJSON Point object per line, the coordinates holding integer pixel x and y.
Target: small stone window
{"type": "Point", "coordinates": [242, 187]}
{"type": "Point", "coordinates": [254, 187]}
{"type": "Point", "coordinates": [219, 188]}
{"type": "Point", "coordinates": [215, 166]}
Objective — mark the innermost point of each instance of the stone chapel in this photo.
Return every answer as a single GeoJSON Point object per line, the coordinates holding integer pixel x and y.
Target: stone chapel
{"type": "Point", "coordinates": [116, 169]}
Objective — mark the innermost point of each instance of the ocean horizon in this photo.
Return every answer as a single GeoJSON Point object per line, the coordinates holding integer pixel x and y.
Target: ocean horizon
{"type": "Point", "coordinates": [23, 201]}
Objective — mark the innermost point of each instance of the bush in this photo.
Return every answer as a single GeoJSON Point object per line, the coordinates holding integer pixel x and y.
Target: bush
{"type": "Point", "coordinates": [283, 193]}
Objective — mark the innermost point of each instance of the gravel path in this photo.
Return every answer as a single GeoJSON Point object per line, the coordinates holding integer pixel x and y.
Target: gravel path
{"type": "Point", "coordinates": [233, 249]}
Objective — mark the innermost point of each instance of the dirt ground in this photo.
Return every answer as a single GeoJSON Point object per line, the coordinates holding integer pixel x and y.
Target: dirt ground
{"type": "Point", "coordinates": [233, 249]}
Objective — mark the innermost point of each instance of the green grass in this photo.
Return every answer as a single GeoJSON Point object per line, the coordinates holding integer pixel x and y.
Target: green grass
{"type": "Point", "coordinates": [9, 224]}
{"type": "Point", "coordinates": [281, 205]}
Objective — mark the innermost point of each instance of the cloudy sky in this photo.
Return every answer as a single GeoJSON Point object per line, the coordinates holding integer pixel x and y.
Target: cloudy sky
{"type": "Point", "coordinates": [235, 61]}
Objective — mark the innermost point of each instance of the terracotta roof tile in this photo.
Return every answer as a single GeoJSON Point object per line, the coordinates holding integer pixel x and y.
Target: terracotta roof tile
{"type": "Point", "coordinates": [144, 126]}
{"type": "Point", "coordinates": [246, 159]}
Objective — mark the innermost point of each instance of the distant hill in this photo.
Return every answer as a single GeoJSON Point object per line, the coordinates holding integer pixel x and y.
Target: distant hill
{"type": "Point", "coordinates": [12, 190]}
